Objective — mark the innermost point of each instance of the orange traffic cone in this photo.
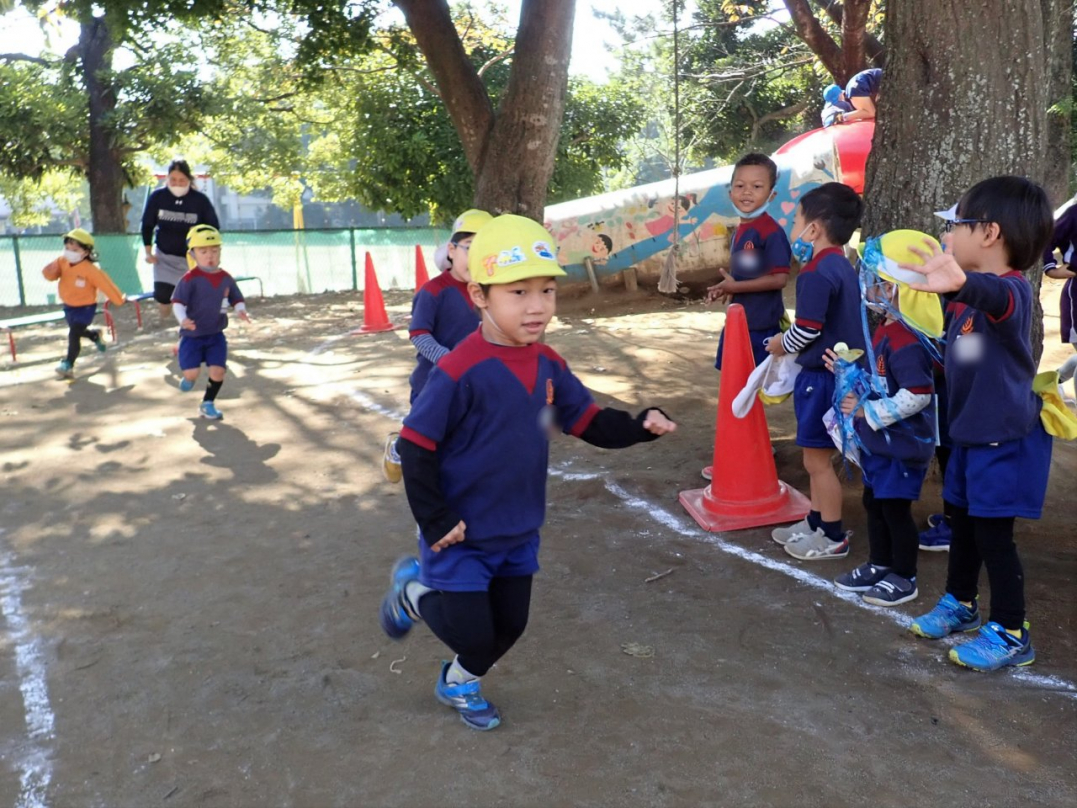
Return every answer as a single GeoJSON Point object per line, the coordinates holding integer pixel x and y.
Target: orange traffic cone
{"type": "Point", "coordinates": [745, 490]}
{"type": "Point", "coordinates": [420, 269]}
{"type": "Point", "coordinates": [374, 316]}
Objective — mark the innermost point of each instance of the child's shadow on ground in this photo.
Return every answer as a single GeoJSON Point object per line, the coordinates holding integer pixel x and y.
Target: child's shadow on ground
{"type": "Point", "coordinates": [228, 448]}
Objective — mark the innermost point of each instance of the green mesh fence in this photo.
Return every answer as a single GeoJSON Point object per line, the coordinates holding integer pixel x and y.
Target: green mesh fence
{"type": "Point", "coordinates": [287, 261]}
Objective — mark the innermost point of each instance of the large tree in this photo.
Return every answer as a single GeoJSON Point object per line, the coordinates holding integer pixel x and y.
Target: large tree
{"type": "Point", "coordinates": [510, 150]}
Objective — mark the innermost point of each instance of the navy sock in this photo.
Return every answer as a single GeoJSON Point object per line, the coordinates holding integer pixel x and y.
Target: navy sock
{"type": "Point", "coordinates": [833, 530]}
{"type": "Point", "coordinates": [814, 519]}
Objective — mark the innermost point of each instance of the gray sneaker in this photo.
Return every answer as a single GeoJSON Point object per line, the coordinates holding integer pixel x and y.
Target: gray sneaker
{"type": "Point", "coordinates": [783, 535]}
{"type": "Point", "coordinates": [816, 546]}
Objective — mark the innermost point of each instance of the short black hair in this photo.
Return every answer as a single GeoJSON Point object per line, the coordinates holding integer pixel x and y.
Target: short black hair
{"type": "Point", "coordinates": [460, 235]}
{"type": "Point", "coordinates": [757, 159]}
{"type": "Point", "coordinates": [1021, 210]}
{"type": "Point", "coordinates": [606, 240]}
{"type": "Point", "coordinates": [837, 207]}
{"type": "Point", "coordinates": [182, 167]}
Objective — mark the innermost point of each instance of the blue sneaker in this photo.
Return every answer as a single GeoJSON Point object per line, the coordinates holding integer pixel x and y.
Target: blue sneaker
{"type": "Point", "coordinates": [993, 648]}
{"type": "Point", "coordinates": [892, 590]}
{"type": "Point", "coordinates": [862, 578]}
{"type": "Point", "coordinates": [209, 411]}
{"type": "Point", "coordinates": [948, 616]}
{"type": "Point", "coordinates": [937, 537]}
{"type": "Point", "coordinates": [466, 699]}
{"type": "Point", "coordinates": [186, 385]}
{"type": "Point", "coordinates": [98, 340]}
{"type": "Point", "coordinates": [65, 370]}
{"type": "Point", "coordinates": [394, 616]}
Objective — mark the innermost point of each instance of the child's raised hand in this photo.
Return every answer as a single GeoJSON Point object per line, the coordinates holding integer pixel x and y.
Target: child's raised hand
{"type": "Point", "coordinates": [942, 273]}
{"type": "Point", "coordinates": [454, 536]}
{"type": "Point", "coordinates": [657, 424]}
{"type": "Point", "coordinates": [188, 324]}
{"type": "Point", "coordinates": [849, 404]}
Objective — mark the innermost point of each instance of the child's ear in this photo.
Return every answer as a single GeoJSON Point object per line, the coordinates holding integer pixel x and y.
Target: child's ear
{"type": "Point", "coordinates": [477, 297]}
{"type": "Point", "coordinates": [992, 234]}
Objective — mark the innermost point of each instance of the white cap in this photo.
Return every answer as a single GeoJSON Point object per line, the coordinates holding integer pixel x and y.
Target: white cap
{"type": "Point", "coordinates": [948, 215]}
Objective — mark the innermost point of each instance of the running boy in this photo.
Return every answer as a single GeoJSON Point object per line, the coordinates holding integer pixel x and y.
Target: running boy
{"type": "Point", "coordinates": [80, 281]}
{"type": "Point", "coordinates": [828, 312]}
{"type": "Point", "coordinates": [197, 304]}
{"type": "Point", "coordinates": [475, 451]}
{"type": "Point", "coordinates": [896, 428]}
{"type": "Point", "coordinates": [441, 316]}
{"type": "Point", "coordinates": [759, 257]}
{"type": "Point", "coordinates": [1002, 453]}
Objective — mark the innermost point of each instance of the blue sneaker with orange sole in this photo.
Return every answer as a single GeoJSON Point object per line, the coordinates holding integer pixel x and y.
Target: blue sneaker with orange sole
{"type": "Point", "coordinates": [394, 616]}
{"type": "Point", "coordinates": [993, 648]}
{"type": "Point", "coordinates": [948, 616]}
{"type": "Point", "coordinates": [466, 698]}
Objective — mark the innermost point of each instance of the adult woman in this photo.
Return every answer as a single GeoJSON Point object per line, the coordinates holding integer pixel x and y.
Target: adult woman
{"type": "Point", "coordinates": [171, 211]}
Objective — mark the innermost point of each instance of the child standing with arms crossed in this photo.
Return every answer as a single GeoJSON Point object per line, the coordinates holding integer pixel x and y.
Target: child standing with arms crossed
{"type": "Point", "coordinates": [475, 450]}
{"type": "Point", "coordinates": [197, 304]}
{"type": "Point", "coordinates": [759, 258]}
{"type": "Point", "coordinates": [896, 428]}
{"type": "Point", "coordinates": [828, 312]}
{"type": "Point", "coordinates": [1002, 454]}
{"type": "Point", "coordinates": [441, 316]}
{"type": "Point", "coordinates": [80, 281]}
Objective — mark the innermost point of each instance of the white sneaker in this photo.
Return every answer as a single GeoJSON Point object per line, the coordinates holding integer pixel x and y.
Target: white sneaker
{"type": "Point", "coordinates": [783, 535]}
{"type": "Point", "coordinates": [816, 546]}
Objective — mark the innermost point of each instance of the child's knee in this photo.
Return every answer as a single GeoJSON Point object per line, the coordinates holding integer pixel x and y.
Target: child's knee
{"type": "Point", "coordinates": [216, 373]}
{"type": "Point", "coordinates": [191, 374]}
{"type": "Point", "coordinates": [817, 461]}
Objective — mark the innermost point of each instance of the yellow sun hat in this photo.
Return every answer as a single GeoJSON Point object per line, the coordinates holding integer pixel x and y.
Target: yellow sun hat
{"type": "Point", "coordinates": [203, 235]}
{"type": "Point", "coordinates": [512, 248]}
{"type": "Point", "coordinates": [79, 235]}
{"type": "Point", "coordinates": [470, 221]}
{"type": "Point", "coordinates": [884, 254]}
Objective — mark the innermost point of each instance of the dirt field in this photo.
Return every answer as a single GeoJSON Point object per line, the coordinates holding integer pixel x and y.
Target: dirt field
{"type": "Point", "coordinates": [189, 608]}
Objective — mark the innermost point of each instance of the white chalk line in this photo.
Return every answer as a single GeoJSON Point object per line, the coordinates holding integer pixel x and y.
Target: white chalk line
{"type": "Point", "coordinates": [35, 764]}
{"type": "Point", "coordinates": [682, 527]}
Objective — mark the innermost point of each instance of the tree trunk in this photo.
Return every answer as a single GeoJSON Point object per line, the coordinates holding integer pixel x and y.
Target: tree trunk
{"type": "Point", "coordinates": [965, 99]}
{"type": "Point", "coordinates": [105, 172]}
{"type": "Point", "coordinates": [1058, 28]}
{"type": "Point", "coordinates": [854, 26]}
{"type": "Point", "coordinates": [518, 162]}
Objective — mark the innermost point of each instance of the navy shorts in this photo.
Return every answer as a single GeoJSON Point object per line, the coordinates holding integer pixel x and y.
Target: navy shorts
{"type": "Point", "coordinates": [469, 567]}
{"type": "Point", "coordinates": [890, 478]}
{"type": "Point", "coordinates": [208, 350]}
{"type": "Point", "coordinates": [813, 394]}
{"type": "Point", "coordinates": [1001, 479]}
{"type": "Point", "coordinates": [80, 315]}
{"type": "Point", "coordinates": [758, 342]}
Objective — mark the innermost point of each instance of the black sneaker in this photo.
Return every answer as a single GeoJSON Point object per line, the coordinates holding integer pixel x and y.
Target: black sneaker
{"type": "Point", "coordinates": [862, 578]}
{"type": "Point", "coordinates": [892, 590]}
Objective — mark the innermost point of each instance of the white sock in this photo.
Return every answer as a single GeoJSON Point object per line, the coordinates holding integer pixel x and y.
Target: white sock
{"type": "Point", "coordinates": [458, 674]}
{"type": "Point", "coordinates": [413, 593]}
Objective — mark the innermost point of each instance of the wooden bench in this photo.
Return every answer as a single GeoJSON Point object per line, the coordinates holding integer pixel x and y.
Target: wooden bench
{"type": "Point", "coordinates": [9, 326]}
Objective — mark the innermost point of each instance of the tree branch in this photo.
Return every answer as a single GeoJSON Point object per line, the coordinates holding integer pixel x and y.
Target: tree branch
{"type": "Point", "coordinates": [815, 37]}
{"type": "Point", "coordinates": [874, 48]}
{"type": "Point", "coordinates": [777, 115]}
{"type": "Point", "coordinates": [23, 57]}
{"type": "Point", "coordinates": [499, 58]}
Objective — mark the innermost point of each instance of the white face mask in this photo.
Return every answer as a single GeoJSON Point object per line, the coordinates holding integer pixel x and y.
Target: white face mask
{"type": "Point", "coordinates": [179, 190]}
{"type": "Point", "coordinates": [74, 256]}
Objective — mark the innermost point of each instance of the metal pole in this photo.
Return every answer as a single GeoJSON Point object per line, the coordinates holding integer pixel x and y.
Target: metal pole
{"type": "Point", "coordinates": [355, 268]}
{"type": "Point", "coordinates": [18, 271]}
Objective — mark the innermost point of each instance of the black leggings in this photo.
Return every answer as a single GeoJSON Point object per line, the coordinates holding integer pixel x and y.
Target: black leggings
{"type": "Point", "coordinates": [892, 536]}
{"type": "Point", "coordinates": [74, 339]}
{"type": "Point", "coordinates": [985, 541]}
{"type": "Point", "coordinates": [479, 626]}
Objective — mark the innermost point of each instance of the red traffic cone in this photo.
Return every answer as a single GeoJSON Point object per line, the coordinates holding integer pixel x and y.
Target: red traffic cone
{"type": "Point", "coordinates": [420, 269]}
{"type": "Point", "coordinates": [745, 490]}
{"type": "Point", "coordinates": [374, 316]}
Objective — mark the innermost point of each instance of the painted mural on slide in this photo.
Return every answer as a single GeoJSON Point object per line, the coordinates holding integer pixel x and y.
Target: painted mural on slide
{"type": "Point", "coordinates": [635, 227]}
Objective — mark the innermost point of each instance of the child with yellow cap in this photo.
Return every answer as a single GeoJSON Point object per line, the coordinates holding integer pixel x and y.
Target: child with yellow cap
{"type": "Point", "coordinates": [475, 450]}
{"type": "Point", "coordinates": [80, 281]}
{"type": "Point", "coordinates": [895, 421]}
{"type": "Point", "coordinates": [441, 317]}
{"type": "Point", "coordinates": [197, 304]}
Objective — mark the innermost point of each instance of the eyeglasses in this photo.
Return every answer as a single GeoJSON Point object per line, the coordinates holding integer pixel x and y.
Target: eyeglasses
{"type": "Point", "coordinates": [460, 246]}
{"type": "Point", "coordinates": [949, 225]}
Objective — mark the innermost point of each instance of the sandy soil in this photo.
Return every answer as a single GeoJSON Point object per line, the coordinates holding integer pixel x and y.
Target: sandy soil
{"type": "Point", "coordinates": [189, 607]}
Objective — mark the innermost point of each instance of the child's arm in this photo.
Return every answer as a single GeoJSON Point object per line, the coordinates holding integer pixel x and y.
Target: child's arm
{"type": "Point", "coordinates": [767, 283]}
{"type": "Point", "coordinates": [1059, 272]}
{"type": "Point", "coordinates": [179, 311]}
{"type": "Point", "coordinates": [884, 412]}
{"type": "Point", "coordinates": [52, 271]}
{"type": "Point", "coordinates": [422, 484]}
{"type": "Point", "coordinates": [235, 299]}
{"type": "Point", "coordinates": [104, 283]}
{"type": "Point", "coordinates": [427, 346]}
{"type": "Point", "coordinates": [616, 429]}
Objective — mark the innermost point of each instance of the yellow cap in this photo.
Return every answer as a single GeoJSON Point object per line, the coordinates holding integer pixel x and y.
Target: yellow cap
{"type": "Point", "coordinates": [203, 235]}
{"type": "Point", "coordinates": [512, 248]}
{"type": "Point", "coordinates": [920, 310]}
{"type": "Point", "coordinates": [470, 221]}
{"type": "Point", "coordinates": [79, 235]}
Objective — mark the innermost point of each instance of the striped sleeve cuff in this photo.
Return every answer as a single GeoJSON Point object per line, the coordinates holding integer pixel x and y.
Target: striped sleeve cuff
{"type": "Point", "coordinates": [798, 337]}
